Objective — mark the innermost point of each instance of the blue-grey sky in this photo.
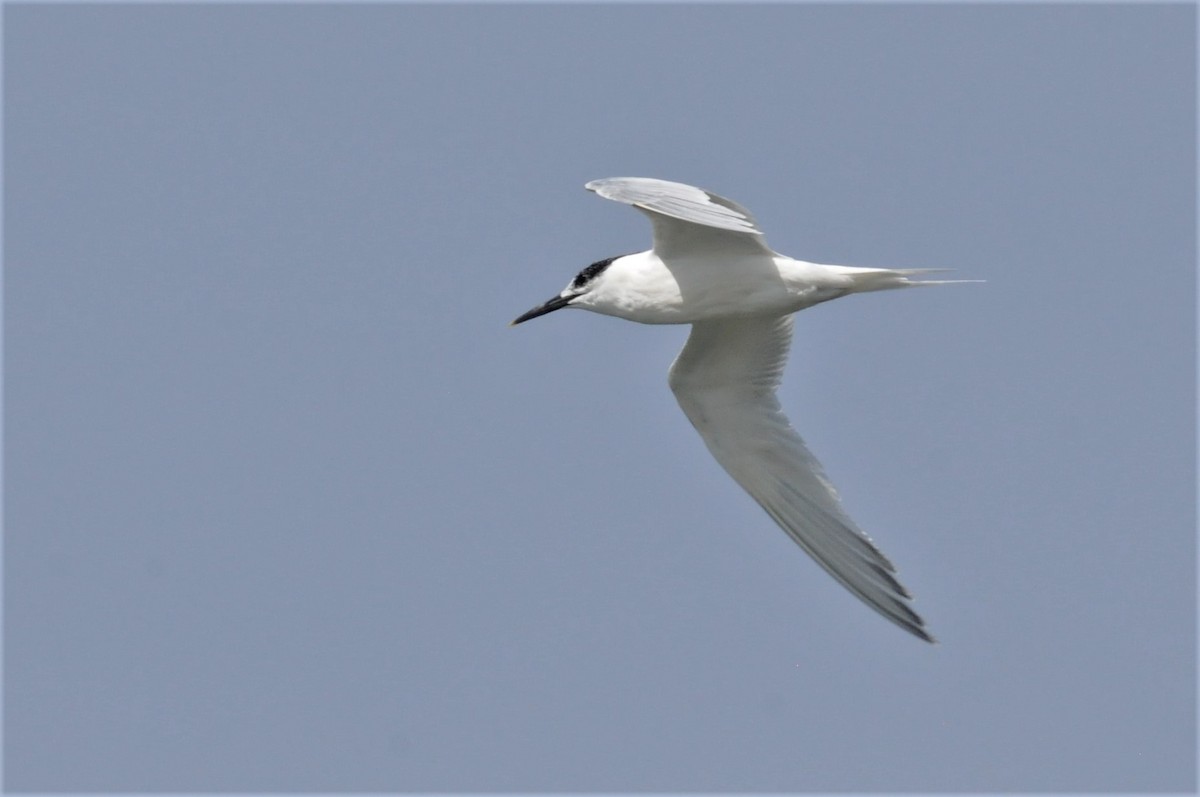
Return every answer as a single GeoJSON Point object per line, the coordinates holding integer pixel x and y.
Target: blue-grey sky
{"type": "Point", "coordinates": [288, 508]}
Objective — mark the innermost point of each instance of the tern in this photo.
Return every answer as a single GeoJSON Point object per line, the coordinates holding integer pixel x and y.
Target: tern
{"type": "Point", "coordinates": [710, 267]}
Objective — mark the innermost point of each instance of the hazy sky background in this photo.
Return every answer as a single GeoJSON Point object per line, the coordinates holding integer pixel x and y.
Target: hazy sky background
{"type": "Point", "coordinates": [289, 508]}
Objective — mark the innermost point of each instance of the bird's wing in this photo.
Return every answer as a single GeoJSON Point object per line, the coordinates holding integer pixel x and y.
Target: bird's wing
{"type": "Point", "coordinates": [686, 219]}
{"type": "Point", "coordinates": [725, 380]}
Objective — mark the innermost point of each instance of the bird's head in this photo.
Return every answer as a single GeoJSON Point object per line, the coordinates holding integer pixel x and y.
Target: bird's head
{"type": "Point", "coordinates": [579, 293]}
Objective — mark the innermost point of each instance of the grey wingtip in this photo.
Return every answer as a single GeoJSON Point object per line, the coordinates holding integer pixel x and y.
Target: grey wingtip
{"type": "Point", "coordinates": [665, 197]}
{"type": "Point", "coordinates": [917, 629]}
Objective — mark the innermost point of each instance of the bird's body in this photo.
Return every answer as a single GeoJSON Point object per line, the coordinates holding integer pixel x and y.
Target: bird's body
{"type": "Point", "coordinates": [689, 290]}
{"type": "Point", "coordinates": [711, 268]}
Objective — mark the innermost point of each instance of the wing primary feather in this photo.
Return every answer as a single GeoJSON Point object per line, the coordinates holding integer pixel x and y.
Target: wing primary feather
{"type": "Point", "coordinates": [830, 544]}
{"type": "Point", "coordinates": [852, 538]}
{"type": "Point", "coordinates": [878, 599]}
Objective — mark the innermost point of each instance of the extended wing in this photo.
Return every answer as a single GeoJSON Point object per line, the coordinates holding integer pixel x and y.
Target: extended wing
{"type": "Point", "coordinates": [686, 219]}
{"type": "Point", "coordinates": [725, 380]}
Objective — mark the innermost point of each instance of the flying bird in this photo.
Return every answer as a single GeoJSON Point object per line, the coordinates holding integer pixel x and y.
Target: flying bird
{"type": "Point", "coordinates": [710, 267]}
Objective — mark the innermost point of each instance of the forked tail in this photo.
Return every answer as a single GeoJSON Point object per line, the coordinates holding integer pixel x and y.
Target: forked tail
{"type": "Point", "coordinates": [883, 279]}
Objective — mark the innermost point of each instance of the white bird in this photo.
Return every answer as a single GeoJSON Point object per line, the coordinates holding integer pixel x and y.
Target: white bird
{"type": "Point", "coordinates": [710, 267]}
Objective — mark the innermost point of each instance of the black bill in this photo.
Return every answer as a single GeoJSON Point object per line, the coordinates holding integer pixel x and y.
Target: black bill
{"type": "Point", "coordinates": [557, 303]}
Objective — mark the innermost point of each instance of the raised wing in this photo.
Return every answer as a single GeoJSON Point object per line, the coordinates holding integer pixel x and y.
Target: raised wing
{"type": "Point", "coordinates": [725, 380]}
{"type": "Point", "coordinates": [686, 219]}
